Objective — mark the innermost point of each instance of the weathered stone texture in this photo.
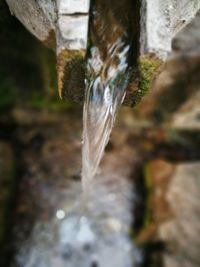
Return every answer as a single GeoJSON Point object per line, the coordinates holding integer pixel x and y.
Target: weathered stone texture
{"type": "Point", "coordinates": [37, 16]}
{"type": "Point", "coordinates": [181, 233]}
{"type": "Point", "coordinates": [164, 19]}
{"type": "Point", "coordinates": [65, 24]}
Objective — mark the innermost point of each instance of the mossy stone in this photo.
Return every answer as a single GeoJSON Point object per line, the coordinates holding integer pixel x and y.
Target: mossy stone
{"type": "Point", "coordinates": [148, 69]}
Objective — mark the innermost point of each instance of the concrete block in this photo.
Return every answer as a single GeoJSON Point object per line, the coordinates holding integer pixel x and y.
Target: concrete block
{"type": "Point", "coordinates": [73, 6]}
{"type": "Point", "coordinates": [73, 32]}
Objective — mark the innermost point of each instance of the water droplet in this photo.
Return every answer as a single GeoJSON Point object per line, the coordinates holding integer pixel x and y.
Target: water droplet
{"type": "Point", "coordinates": [60, 214]}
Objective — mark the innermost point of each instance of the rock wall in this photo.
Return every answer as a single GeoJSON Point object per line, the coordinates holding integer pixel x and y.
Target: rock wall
{"type": "Point", "coordinates": [178, 82]}
{"type": "Point", "coordinates": [64, 24]}
{"type": "Point", "coordinates": [164, 19]}
{"type": "Point", "coordinates": [38, 17]}
{"type": "Point", "coordinates": [60, 25]}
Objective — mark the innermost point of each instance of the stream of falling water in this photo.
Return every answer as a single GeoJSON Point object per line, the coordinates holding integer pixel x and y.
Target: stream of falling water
{"type": "Point", "coordinates": [108, 74]}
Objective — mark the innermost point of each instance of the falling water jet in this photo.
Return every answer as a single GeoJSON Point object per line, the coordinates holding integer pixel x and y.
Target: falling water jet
{"type": "Point", "coordinates": [108, 71]}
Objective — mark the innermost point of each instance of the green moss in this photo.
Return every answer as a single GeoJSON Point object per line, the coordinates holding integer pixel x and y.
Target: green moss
{"type": "Point", "coordinates": [148, 68]}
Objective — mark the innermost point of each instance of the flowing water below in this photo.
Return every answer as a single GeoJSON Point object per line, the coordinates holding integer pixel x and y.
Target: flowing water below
{"type": "Point", "coordinates": [89, 234]}
{"type": "Point", "coordinates": [109, 63]}
{"type": "Point", "coordinates": [54, 226]}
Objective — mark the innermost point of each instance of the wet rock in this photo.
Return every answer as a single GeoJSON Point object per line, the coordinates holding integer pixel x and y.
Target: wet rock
{"type": "Point", "coordinates": [6, 185]}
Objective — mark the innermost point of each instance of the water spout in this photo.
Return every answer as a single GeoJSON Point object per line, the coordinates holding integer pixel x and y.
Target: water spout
{"type": "Point", "coordinates": [108, 75]}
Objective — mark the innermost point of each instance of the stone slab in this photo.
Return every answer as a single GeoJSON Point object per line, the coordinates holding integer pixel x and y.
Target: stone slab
{"type": "Point", "coordinates": [73, 32]}
{"type": "Point", "coordinates": [73, 6]}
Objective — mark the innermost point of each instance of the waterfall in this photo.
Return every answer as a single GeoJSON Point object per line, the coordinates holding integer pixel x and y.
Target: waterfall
{"type": "Point", "coordinates": [108, 71]}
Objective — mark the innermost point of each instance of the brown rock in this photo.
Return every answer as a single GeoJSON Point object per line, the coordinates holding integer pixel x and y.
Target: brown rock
{"type": "Point", "coordinates": [158, 175]}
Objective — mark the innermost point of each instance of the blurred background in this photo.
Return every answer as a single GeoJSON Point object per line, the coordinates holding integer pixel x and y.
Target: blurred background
{"type": "Point", "coordinates": [144, 210]}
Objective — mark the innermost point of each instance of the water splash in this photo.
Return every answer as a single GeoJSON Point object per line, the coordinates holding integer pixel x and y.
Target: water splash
{"type": "Point", "coordinates": [108, 75]}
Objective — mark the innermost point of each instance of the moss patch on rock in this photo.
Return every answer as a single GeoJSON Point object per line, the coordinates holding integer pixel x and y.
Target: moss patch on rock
{"type": "Point", "coordinates": [148, 68]}
{"type": "Point", "coordinates": [142, 79]}
{"type": "Point", "coordinates": [71, 75]}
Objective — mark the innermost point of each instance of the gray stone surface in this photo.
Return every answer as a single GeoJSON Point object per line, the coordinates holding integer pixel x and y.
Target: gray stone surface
{"type": "Point", "coordinates": [181, 233]}
{"type": "Point", "coordinates": [163, 20]}
{"type": "Point", "coordinates": [188, 39]}
{"type": "Point", "coordinates": [65, 24]}
{"type": "Point", "coordinates": [177, 86]}
{"type": "Point", "coordinates": [73, 6]}
{"type": "Point", "coordinates": [47, 18]}
{"type": "Point", "coordinates": [37, 16]}
{"type": "Point", "coordinates": [72, 32]}
{"type": "Point", "coordinates": [72, 25]}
